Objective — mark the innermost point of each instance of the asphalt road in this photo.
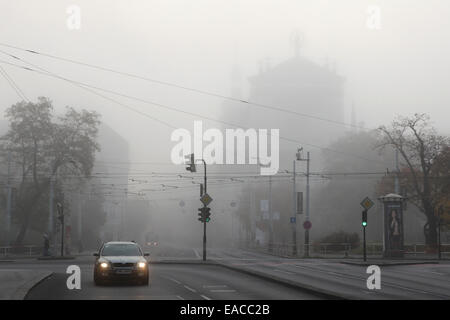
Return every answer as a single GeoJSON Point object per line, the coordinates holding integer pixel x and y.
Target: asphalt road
{"type": "Point", "coordinates": [420, 281]}
{"type": "Point", "coordinates": [168, 282]}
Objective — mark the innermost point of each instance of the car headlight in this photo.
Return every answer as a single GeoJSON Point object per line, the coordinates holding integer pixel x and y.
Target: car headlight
{"type": "Point", "coordinates": [104, 265]}
{"type": "Point", "coordinates": [141, 265]}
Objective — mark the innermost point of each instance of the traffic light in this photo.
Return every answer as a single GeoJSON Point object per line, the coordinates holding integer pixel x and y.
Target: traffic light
{"type": "Point", "coordinates": [60, 212]}
{"type": "Point", "coordinates": [364, 218]}
{"type": "Point", "coordinates": [200, 214]}
{"type": "Point", "coordinates": [190, 161]}
{"type": "Point", "coordinates": [204, 214]}
{"type": "Point", "coordinates": [207, 213]}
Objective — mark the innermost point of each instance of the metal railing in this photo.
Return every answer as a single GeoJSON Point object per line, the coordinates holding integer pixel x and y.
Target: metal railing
{"type": "Point", "coordinates": [28, 250]}
{"type": "Point", "coordinates": [339, 249]}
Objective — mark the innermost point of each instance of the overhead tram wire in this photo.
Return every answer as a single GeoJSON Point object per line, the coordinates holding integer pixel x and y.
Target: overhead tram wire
{"type": "Point", "coordinates": [203, 92]}
{"type": "Point", "coordinates": [86, 86]}
{"type": "Point", "coordinates": [82, 86]}
{"type": "Point", "coordinates": [13, 85]}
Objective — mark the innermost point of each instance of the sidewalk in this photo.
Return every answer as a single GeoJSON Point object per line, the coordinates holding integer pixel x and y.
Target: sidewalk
{"type": "Point", "coordinates": [15, 284]}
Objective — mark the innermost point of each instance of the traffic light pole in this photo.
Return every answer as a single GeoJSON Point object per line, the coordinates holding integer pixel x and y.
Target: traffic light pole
{"type": "Point", "coordinates": [364, 244]}
{"type": "Point", "coordinates": [204, 222]}
{"type": "Point", "coordinates": [439, 231]}
{"type": "Point", "coordinates": [307, 205]}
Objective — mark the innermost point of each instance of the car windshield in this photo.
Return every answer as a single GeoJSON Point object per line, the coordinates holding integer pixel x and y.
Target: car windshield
{"type": "Point", "coordinates": [121, 249]}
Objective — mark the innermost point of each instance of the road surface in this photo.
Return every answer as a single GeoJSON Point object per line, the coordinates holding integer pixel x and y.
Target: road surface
{"type": "Point", "coordinates": [168, 281]}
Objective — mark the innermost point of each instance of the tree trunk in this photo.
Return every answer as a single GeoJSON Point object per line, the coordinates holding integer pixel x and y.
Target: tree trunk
{"type": "Point", "coordinates": [430, 232]}
{"type": "Point", "coordinates": [28, 211]}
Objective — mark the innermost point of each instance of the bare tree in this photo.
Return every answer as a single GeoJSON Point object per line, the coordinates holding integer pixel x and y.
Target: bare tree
{"type": "Point", "coordinates": [41, 146]}
{"type": "Point", "coordinates": [424, 175]}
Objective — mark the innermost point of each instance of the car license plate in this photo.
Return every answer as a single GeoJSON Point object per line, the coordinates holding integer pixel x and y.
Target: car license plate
{"type": "Point", "coordinates": [123, 271]}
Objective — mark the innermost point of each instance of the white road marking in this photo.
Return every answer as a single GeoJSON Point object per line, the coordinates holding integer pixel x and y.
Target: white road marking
{"type": "Point", "coordinates": [190, 289]}
{"type": "Point", "coordinates": [173, 280]}
{"type": "Point", "coordinates": [205, 297]}
{"type": "Point", "coordinates": [223, 290]}
{"type": "Point", "coordinates": [196, 253]}
{"type": "Point", "coordinates": [180, 297]}
{"type": "Point", "coordinates": [215, 286]}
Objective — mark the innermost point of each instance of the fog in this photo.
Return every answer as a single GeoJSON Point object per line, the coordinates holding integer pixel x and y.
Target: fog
{"type": "Point", "coordinates": [401, 68]}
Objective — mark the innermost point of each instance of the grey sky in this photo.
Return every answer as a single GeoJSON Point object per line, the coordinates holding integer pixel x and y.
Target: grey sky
{"type": "Point", "coordinates": [400, 69]}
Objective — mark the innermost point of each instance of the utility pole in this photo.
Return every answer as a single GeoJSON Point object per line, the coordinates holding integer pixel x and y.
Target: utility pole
{"type": "Point", "coordinates": [307, 205]}
{"type": "Point", "coordinates": [294, 215]}
{"type": "Point", "coordinates": [440, 211]}
{"type": "Point", "coordinates": [396, 182]}
{"type": "Point", "coordinates": [80, 221]}
{"type": "Point", "coordinates": [204, 222]}
{"type": "Point", "coordinates": [8, 200]}
{"type": "Point", "coordinates": [299, 158]}
{"type": "Point", "coordinates": [270, 215]}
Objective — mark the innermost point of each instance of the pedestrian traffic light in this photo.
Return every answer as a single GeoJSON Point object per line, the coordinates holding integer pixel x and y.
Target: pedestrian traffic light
{"type": "Point", "coordinates": [364, 218]}
{"type": "Point", "coordinates": [190, 161]}
{"type": "Point", "coordinates": [60, 212]}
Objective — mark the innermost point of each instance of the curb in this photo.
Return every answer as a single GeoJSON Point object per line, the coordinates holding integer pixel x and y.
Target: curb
{"type": "Point", "coordinates": [56, 258]}
{"type": "Point", "coordinates": [387, 264]}
{"type": "Point", "coordinates": [23, 290]}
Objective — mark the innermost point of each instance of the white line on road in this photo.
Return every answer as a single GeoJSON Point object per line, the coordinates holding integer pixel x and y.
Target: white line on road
{"type": "Point", "coordinates": [190, 289]}
{"type": "Point", "coordinates": [223, 290]}
{"type": "Point", "coordinates": [180, 297]}
{"type": "Point", "coordinates": [173, 280]}
{"type": "Point", "coordinates": [205, 297]}
{"type": "Point", "coordinates": [215, 286]}
{"type": "Point", "coordinates": [196, 253]}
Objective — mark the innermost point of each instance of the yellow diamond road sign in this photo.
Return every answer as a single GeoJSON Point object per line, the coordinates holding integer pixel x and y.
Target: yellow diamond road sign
{"type": "Point", "coordinates": [367, 203]}
{"type": "Point", "coordinates": [206, 199]}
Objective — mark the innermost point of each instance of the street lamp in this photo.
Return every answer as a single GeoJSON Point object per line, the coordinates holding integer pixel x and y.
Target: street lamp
{"type": "Point", "coordinates": [306, 225]}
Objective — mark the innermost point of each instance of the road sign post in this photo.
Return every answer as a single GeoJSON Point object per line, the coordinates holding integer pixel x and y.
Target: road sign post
{"type": "Point", "coordinates": [366, 204]}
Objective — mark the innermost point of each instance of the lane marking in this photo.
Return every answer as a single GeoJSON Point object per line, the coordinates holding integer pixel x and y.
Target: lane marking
{"type": "Point", "coordinates": [190, 289]}
{"type": "Point", "coordinates": [196, 253]}
{"type": "Point", "coordinates": [223, 290]}
{"type": "Point", "coordinates": [180, 297]}
{"type": "Point", "coordinates": [205, 297]}
{"type": "Point", "coordinates": [215, 286]}
{"type": "Point", "coordinates": [173, 280]}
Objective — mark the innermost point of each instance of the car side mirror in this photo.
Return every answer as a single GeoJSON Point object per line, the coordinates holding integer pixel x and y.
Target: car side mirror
{"type": "Point", "coordinates": [146, 254]}
{"type": "Point", "coordinates": [96, 255]}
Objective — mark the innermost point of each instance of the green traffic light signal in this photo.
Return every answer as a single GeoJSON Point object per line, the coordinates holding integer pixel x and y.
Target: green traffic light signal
{"type": "Point", "coordinates": [364, 218]}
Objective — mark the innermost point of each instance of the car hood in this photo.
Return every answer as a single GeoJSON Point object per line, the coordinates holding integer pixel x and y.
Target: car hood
{"type": "Point", "coordinates": [123, 259]}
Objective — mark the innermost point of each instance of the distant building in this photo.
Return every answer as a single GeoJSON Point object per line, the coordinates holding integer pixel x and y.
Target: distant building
{"type": "Point", "coordinates": [303, 86]}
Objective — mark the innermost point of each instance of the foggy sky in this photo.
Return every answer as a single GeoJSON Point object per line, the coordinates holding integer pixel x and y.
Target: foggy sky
{"type": "Point", "coordinates": [402, 68]}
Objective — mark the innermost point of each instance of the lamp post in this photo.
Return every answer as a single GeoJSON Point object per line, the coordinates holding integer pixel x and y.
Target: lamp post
{"type": "Point", "coordinates": [300, 158]}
